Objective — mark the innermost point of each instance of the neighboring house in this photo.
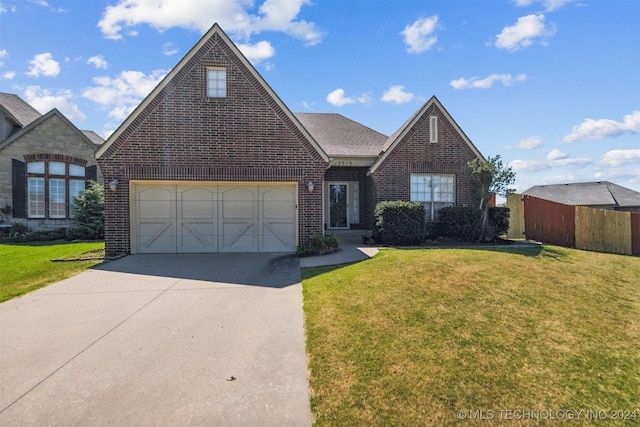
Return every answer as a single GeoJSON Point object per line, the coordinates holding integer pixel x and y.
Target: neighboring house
{"type": "Point", "coordinates": [213, 161]}
{"type": "Point", "coordinates": [45, 161]}
{"type": "Point", "coordinates": [599, 195]}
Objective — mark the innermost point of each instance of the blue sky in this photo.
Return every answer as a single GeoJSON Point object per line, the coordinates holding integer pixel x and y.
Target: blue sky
{"type": "Point", "coordinates": [553, 86]}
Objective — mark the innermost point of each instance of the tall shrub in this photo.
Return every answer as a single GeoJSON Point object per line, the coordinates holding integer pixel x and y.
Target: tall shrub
{"type": "Point", "coordinates": [461, 223]}
{"type": "Point", "coordinates": [399, 222]}
{"type": "Point", "coordinates": [88, 209]}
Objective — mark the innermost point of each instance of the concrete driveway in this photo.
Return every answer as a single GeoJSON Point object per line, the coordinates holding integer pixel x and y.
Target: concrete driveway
{"type": "Point", "coordinates": [214, 339]}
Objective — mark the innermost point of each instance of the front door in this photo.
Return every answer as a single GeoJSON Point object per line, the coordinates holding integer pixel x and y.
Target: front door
{"type": "Point", "coordinates": [338, 205]}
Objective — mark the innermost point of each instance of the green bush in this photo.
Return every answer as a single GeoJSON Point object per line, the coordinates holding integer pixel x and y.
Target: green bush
{"type": "Point", "coordinates": [461, 223]}
{"type": "Point", "coordinates": [318, 244]}
{"type": "Point", "coordinates": [89, 214]}
{"type": "Point", "coordinates": [399, 223]}
{"type": "Point", "coordinates": [20, 233]}
{"type": "Point", "coordinates": [497, 224]}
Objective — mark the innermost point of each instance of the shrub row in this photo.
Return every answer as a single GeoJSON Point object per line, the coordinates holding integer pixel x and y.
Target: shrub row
{"type": "Point", "coordinates": [403, 223]}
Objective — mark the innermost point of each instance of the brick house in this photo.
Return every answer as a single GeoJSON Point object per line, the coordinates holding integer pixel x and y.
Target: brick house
{"type": "Point", "coordinates": [213, 161]}
{"type": "Point", "coordinates": [45, 161]}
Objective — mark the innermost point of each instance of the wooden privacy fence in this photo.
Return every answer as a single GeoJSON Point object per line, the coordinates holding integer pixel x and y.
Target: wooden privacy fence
{"type": "Point", "coordinates": [516, 216]}
{"type": "Point", "coordinates": [549, 222]}
{"type": "Point", "coordinates": [581, 227]}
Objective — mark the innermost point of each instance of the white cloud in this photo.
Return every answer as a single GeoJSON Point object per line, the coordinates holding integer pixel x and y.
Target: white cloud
{"type": "Point", "coordinates": [338, 98]}
{"type": "Point", "coordinates": [6, 8]}
{"type": "Point", "coordinates": [169, 49]}
{"type": "Point", "coordinates": [538, 165]}
{"type": "Point", "coordinates": [123, 92]}
{"type": "Point", "coordinates": [549, 5]}
{"type": "Point", "coordinates": [615, 158]}
{"type": "Point", "coordinates": [45, 100]}
{"type": "Point", "coordinates": [43, 64]}
{"type": "Point", "coordinates": [3, 54]}
{"type": "Point", "coordinates": [527, 143]}
{"type": "Point", "coordinates": [487, 82]}
{"type": "Point", "coordinates": [98, 61]}
{"type": "Point", "coordinates": [397, 95]}
{"type": "Point", "coordinates": [556, 154]}
{"type": "Point", "coordinates": [604, 128]}
{"type": "Point", "coordinates": [420, 36]}
{"type": "Point", "coordinates": [522, 34]}
{"type": "Point", "coordinates": [233, 16]}
{"type": "Point", "coordinates": [9, 75]}
{"type": "Point", "coordinates": [258, 52]}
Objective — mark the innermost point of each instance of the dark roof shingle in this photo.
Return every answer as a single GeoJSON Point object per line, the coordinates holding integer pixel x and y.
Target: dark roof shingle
{"type": "Point", "coordinates": [587, 193]}
{"type": "Point", "coordinates": [340, 136]}
{"type": "Point", "coordinates": [19, 110]}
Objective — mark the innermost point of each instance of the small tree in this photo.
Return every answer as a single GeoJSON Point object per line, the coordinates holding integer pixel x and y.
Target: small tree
{"type": "Point", "coordinates": [492, 177]}
{"type": "Point", "coordinates": [89, 213]}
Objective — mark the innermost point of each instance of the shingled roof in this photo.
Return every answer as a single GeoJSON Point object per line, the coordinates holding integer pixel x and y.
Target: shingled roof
{"type": "Point", "coordinates": [19, 111]}
{"type": "Point", "coordinates": [600, 193]}
{"type": "Point", "coordinates": [340, 136]}
{"type": "Point", "coordinates": [93, 137]}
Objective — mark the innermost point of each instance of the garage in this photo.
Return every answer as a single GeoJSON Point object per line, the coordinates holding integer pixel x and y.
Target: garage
{"type": "Point", "coordinates": [213, 217]}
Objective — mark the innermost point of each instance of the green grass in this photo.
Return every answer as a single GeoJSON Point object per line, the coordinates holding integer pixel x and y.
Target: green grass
{"type": "Point", "coordinates": [410, 337]}
{"type": "Point", "coordinates": [27, 267]}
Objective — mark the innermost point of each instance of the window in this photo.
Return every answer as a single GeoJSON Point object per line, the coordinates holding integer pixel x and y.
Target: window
{"type": "Point", "coordinates": [76, 170]}
{"type": "Point", "coordinates": [56, 198]}
{"type": "Point", "coordinates": [35, 167]}
{"type": "Point", "coordinates": [216, 82]}
{"type": "Point", "coordinates": [51, 188]}
{"type": "Point", "coordinates": [36, 197]}
{"type": "Point", "coordinates": [434, 192]}
{"type": "Point", "coordinates": [56, 168]}
{"type": "Point", "coordinates": [433, 129]}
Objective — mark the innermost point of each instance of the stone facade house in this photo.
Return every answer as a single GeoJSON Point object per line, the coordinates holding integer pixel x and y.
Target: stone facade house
{"type": "Point", "coordinates": [213, 161]}
{"type": "Point", "coordinates": [45, 161]}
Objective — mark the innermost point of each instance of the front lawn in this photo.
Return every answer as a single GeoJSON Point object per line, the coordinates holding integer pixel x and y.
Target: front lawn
{"type": "Point", "coordinates": [27, 267]}
{"type": "Point", "coordinates": [446, 336]}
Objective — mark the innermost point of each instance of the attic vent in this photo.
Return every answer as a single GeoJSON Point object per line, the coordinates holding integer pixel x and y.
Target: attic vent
{"type": "Point", "coordinates": [216, 82]}
{"type": "Point", "coordinates": [433, 129]}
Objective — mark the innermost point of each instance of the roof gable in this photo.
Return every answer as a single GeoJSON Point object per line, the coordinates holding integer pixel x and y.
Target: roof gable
{"type": "Point", "coordinates": [42, 119]}
{"type": "Point", "coordinates": [168, 84]}
{"type": "Point", "coordinates": [393, 141]}
{"type": "Point", "coordinates": [340, 136]}
{"type": "Point", "coordinates": [17, 109]}
{"type": "Point", "coordinates": [603, 193]}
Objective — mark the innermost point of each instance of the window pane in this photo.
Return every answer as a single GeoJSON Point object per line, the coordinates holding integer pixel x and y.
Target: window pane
{"type": "Point", "coordinates": [35, 167]}
{"type": "Point", "coordinates": [35, 197]}
{"type": "Point", "coordinates": [76, 170]}
{"type": "Point", "coordinates": [57, 200]}
{"type": "Point", "coordinates": [76, 188]}
{"type": "Point", "coordinates": [217, 83]}
{"type": "Point", "coordinates": [420, 188]}
{"type": "Point", "coordinates": [56, 168]}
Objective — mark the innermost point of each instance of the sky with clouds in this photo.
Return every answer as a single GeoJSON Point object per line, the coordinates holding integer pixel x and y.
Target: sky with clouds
{"type": "Point", "coordinates": [553, 86]}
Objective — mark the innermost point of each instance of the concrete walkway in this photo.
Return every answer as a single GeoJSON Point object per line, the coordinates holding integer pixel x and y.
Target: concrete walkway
{"type": "Point", "coordinates": [159, 340]}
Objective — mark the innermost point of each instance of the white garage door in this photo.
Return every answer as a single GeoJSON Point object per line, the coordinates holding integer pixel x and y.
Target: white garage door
{"type": "Point", "coordinates": [183, 218]}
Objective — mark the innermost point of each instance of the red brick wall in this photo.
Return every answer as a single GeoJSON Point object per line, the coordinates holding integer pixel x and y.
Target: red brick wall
{"type": "Point", "coordinates": [415, 154]}
{"type": "Point", "coordinates": [184, 135]}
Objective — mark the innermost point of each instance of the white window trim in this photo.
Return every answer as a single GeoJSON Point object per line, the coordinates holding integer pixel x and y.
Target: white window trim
{"type": "Point", "coordinates": [433, 129]}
